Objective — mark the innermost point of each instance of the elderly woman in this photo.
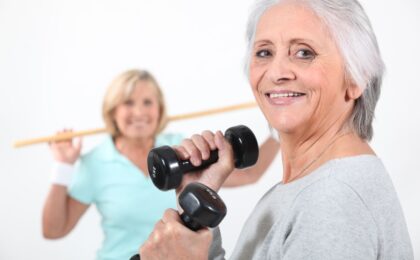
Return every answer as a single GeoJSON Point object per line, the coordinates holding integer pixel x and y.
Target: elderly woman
{"type": "Point", "coordinates": [316, 71]}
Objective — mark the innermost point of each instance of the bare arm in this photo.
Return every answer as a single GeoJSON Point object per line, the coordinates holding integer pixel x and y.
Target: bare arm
{"type": "Point", "coordinates": [61, 213]}
{"type": "Point", "coordinates": [239, 177]}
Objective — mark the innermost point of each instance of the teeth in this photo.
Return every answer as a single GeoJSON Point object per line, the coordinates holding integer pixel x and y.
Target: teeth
{"type": "Point", "coordinates": [280, 95]}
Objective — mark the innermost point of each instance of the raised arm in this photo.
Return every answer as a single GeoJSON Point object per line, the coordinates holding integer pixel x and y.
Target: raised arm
{"type": "Point", "coordinates": [61, 212]}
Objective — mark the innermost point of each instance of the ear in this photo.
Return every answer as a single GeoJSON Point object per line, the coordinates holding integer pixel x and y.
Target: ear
{"type": "Point", "coordinates": [353, 92]}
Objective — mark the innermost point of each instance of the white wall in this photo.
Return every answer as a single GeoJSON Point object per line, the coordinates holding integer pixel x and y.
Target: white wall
{"type": "Point", "coordinates": [57, 57]}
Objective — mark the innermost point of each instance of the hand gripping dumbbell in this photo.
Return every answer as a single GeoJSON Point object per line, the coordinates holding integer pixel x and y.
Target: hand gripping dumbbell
{"type": "Point", "coordinates": [166, 169]}
{"type": "Point", "coordinates": [202, 207]}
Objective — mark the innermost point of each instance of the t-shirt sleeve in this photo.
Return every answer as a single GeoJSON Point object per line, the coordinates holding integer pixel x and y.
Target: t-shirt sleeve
{"type": "Point", "coordinates": [82, 185]}
{"type": "Point", "coordinates": [329, 222]}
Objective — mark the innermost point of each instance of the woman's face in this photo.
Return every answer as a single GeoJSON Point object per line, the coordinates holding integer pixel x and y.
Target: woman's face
{"type": "Point", "coordinates": [138, 116]}
{"type": "Point", "coordinates": [296, 71]}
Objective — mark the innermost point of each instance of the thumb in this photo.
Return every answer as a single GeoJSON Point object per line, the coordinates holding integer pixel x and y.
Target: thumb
{"type": "Point", "coordinates": [206, 234]}
{"type": "Point", "coordinates": [226, 160]}
{"type": "Point", "coordinates": [78, 144]}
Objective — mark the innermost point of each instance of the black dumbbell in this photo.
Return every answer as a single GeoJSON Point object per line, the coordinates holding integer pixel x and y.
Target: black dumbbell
{"type": "Point", "coordinates": [166, 169]}
{"type": "Point", "coordinates": [202, 207]}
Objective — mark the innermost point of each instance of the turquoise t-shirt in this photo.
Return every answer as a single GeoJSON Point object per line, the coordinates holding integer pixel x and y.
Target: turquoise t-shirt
{"type": "Point", "coordinates": [127, 200]}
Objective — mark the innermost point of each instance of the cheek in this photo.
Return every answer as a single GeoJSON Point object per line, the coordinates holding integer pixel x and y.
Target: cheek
{"type": "Point", "coordinates": [118, 115]}
{"type": "Point", "coordinates": [318, 85]}
{"type": "Point", "coordinates": [121, 114]}
{"type": "Point", "coordinates": [255, 74]}
{"type": "Point", "coordinates": [155, 112]}
{"type": "Point", "coordinates": [325, 89]}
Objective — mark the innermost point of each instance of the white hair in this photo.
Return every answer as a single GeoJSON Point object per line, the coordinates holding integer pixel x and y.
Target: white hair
{"type": "Point", "coordinates": [349, 26]}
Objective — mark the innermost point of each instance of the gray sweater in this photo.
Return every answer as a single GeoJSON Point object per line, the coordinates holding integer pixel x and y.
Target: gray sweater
{"type": "Point", "coordinates": [346, 209]}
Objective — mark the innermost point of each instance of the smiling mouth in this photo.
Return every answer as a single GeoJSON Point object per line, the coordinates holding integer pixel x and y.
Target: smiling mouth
{"type": "Point", "coordinates": [284, 95]}
{"type": "Point", "coordinates": [139, 123]}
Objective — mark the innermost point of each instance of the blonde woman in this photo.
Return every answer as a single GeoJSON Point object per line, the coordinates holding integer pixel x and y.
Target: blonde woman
{"type": "Point", "coordinates": [114, 176]}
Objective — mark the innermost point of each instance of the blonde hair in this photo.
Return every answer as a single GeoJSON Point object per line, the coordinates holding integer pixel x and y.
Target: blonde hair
{"type": "Point", "coordinates": [118, 92]}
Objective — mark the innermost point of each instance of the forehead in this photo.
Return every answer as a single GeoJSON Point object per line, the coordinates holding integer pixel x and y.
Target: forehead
{"type": "Point", "coordinates": [144, 88]}
{"type": "Point", "coordinates": [290, 21]}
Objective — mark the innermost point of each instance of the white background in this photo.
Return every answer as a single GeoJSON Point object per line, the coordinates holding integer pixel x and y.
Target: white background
{"type": "Point", "coordinates": [57, 58]}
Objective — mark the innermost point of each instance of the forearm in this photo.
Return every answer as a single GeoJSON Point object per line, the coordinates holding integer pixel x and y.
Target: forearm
{"type": "Point", "coordinates": [54, 219]}
{"type": "Point", "coordinates": [58, 209]}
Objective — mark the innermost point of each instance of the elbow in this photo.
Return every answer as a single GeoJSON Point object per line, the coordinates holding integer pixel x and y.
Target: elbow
{"type": "Point", "coordinates": [52, 232]}
{"type": "Point", "coordinates": [47, 234]}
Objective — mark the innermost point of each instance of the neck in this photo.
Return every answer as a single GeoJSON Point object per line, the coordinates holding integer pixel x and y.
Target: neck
{"type": "Point", "coordinates": [303, 154]}
{"type": "Point", "coordinates": [129, 146]}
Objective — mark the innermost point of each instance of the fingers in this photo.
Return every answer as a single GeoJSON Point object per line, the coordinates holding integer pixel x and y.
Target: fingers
{"type": "Point", "coordinates": [170, 239]}
{"type": "Point", "coordinates": [167, 231]}
{"type": "Point", "coordinates": [61, 132]}
{"type": "Point", "coordinates": [67, 151]}
{"type": "Point", "coordinates": [205, 234]}
{"type": "Point", "coordinates": [181, 152]}
{"type": "Point", "coordinates": [78, 144]}
{"type": "Point", "coordinates": [198, 148]}
{"type": "Point", "coordinates": [209, 137]}
{"type": "Point", "coordinates": [202, 145]}
{"type": "Point", "coordinates": [171, 215]}
{"type": "Point", "coordinates": [225, 164]}
{"type": "Point", "coordinates": [194, 154]}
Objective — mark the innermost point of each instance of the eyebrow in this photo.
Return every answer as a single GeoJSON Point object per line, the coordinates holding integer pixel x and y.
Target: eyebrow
{"type": "Point", "coordinates": [292, 41]}
{"type": "Point", "coordinates": [301, 40]}
{"type": "Point", "coordinates": [262, 42]}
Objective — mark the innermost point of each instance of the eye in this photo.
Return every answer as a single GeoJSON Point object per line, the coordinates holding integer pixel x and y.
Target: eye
{"type": "Point", "coordinates": [129, 102]}
{"type": "Point", "coordinates": [305, 54]}
{"type": "Point", "coordinates": [263, 53]}
{"type": "Point", "coordinates": [147, 102]}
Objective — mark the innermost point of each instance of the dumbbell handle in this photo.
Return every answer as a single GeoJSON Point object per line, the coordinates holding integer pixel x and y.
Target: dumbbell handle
{"type": "Point", "coordinates": [186, 165]}
{"type": "Point", "coordinates": [188, 222]}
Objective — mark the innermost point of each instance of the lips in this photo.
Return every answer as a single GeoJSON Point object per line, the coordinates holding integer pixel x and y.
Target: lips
{"type": "Point", "coordinates": [139, 123]}
{"type": "Point", "coordinates": [283, 97]}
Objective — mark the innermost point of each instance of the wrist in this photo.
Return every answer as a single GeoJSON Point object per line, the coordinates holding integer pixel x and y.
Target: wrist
{"type": "Point", "coordinates": [61, 173]}
{"type": "Point", "coordinates": [69, 161]}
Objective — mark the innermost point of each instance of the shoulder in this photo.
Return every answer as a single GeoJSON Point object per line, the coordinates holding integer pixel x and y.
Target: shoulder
{"type": "Point", "coordinates": [349, 178]}
{"type": "Point", "coordinates": [104, 151]}
{"type": "Point", "coordinates": [348, 181]}
{"type": "Point", "coordinates": [351, 190]}
{"type": "Point", "coordinates": [328, 220]}
{"type": "Point", "coordinates": [329, 194]}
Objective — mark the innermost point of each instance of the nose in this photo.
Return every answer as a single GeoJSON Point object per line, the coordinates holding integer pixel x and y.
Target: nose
{"type": "Point", "coordinates": [139, 110]}
{"type": "Point", "coordinates": [281, 70]}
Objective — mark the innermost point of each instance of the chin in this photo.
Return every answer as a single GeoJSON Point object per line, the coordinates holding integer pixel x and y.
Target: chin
{"type": "Point", "coordinates": [139, 134]}
{"type": "Point", "coordinates": [284, 124]}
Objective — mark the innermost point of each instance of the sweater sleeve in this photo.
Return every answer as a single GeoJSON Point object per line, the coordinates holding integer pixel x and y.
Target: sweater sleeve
{"type": "Point", "coordinates": [216, 251]}
{"type": "Point", "coordinates": [329, 220]}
